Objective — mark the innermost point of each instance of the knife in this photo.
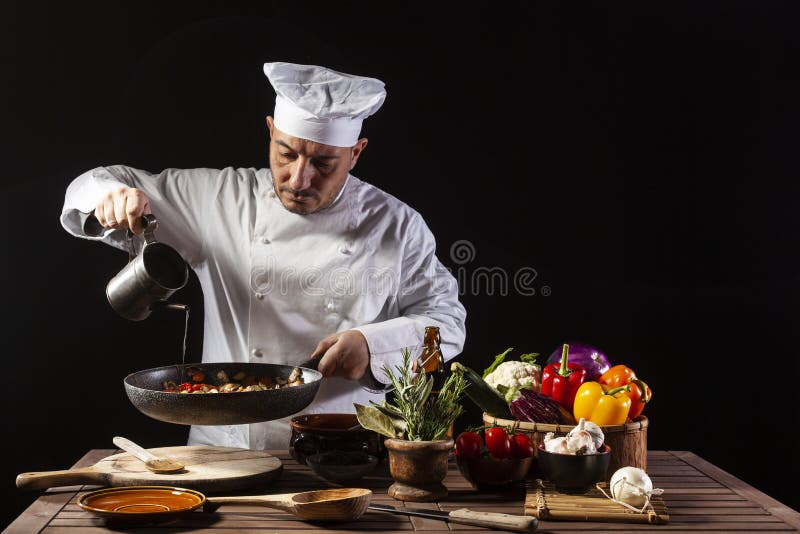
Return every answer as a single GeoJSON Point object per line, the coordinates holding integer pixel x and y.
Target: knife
{"type": "Point", "coordinates": [464, 516]}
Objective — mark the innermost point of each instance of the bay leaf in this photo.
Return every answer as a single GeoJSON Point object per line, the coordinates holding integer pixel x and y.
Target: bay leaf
{"type": "Point", "coordinates": [400, 425]}
{"type": "Point", "coordinates": [388, 409]}
{"type": "Point", "coordinates": [373, 419]}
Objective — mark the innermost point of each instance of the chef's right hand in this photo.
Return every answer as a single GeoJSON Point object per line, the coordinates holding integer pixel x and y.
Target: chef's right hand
{"type": "Point", "coordinates": [344, 354]}
{"type": "Point", "coordinates": [123, 207]}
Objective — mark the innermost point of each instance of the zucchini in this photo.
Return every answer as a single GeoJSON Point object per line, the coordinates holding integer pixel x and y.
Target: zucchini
{"type": "Point", "coordinates": [485, 396]}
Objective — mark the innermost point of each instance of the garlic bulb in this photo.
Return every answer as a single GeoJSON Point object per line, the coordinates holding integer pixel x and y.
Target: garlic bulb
{"type": "Point", "coordinates": [557, 444]}
{"type": "Point", "coordinates": [580, 440]}
{"type": "Point", "coordinates": [596, 432]}
{"type": "Point", "coordinates": [632, 486]}
{"type": "Point", "coordinates": [586, 438]}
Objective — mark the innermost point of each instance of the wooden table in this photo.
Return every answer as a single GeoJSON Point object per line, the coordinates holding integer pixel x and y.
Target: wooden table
{"type": "Point", "coordinates": [700, 498]}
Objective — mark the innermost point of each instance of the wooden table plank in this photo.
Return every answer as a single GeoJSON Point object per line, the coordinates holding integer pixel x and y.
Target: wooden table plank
{"type": "Point", "coordinates": [563, 527]}
{"type": "Point", "coordinates": [700, 498]}
{"type": "Point", "coordinates": [771, 505]}
{"type": "Point", "coordinates": [43, 509]}
{"type": "Point", "coordinates": [213, 530]}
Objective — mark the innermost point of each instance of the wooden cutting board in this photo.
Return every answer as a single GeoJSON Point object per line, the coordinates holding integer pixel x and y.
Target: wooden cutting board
{"type": "Point", "coordinates": [208, 469]}
{"type": "Point", "coordinates": [544, 502]}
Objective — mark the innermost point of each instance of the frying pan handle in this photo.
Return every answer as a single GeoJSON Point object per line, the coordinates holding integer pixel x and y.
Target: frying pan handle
{"type": "Point", "coordinates": [313, 363]}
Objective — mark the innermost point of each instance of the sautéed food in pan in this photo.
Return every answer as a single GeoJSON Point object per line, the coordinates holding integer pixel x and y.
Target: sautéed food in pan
{"type": "Point", "coordinates": [240, 382]}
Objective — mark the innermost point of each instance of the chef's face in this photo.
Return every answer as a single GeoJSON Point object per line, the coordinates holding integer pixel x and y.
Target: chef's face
{"type": "Point", "coordinates": [308, 176]}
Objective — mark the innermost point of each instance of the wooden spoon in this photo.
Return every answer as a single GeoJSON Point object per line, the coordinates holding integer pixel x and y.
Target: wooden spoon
{"type": "Point", "coordinates": [340, 504]}
{"type": "Point", "coordinates": [151, 461]}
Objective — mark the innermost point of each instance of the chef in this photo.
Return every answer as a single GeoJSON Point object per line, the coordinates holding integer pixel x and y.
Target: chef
{"type": "Point", "coordinates": [299, 259]}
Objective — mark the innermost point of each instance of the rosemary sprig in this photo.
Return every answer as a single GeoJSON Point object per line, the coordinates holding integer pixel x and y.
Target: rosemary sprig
{"type": "Point", "coordinates": [427, 417]}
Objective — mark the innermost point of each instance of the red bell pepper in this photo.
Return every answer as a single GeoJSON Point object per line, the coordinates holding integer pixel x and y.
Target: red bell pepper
{"type": "Point", "coordinates": [639, 392]}
{"type": "Point", "coordinates": [560, 381]}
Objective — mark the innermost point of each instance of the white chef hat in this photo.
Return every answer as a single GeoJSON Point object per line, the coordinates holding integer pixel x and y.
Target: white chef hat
{"type": "Point", "coordinates": [322, 105]}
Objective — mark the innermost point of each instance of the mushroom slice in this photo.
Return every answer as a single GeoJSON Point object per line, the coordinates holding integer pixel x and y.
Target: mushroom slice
{"type": "Point", "coordinates": [295, 375]}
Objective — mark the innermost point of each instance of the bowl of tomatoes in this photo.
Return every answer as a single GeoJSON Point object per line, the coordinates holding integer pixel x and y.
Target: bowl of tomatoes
{"type": "Point", "coordinates": [494, 457]}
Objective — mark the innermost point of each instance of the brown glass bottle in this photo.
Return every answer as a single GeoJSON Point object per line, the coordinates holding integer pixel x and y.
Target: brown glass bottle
{"type": "Point", "coordinates": [431, 358]}
{"type": "Point", "coordinates": [432, 361]}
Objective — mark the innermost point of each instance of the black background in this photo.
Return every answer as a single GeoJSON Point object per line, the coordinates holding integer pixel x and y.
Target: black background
{"type": "Point", "coordinates": [641, 158]}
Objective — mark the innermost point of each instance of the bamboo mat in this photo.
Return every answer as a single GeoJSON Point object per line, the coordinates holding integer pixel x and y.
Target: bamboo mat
{"type": "Point", "coordinates": [544, 502]}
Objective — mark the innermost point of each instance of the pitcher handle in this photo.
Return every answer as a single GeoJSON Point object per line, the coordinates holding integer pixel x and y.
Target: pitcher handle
{"type": "Point", "coordinates": [150, 225]}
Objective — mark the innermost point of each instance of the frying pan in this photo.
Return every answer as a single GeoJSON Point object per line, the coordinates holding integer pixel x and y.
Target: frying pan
{"type": "Point", "coordinates": [145, 391]}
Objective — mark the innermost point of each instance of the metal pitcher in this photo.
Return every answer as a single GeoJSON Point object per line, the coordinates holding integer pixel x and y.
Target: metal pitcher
{"type": "Point", "coordinates": [149, 278]}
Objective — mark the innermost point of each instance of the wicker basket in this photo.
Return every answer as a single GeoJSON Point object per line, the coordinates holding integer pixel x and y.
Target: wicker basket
{"type": "Point", "coordinates": [628, 442]}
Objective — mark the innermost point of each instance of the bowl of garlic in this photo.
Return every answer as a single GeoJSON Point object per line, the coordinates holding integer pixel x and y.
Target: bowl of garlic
{"type": "Point", "coordinates": [576, 462]}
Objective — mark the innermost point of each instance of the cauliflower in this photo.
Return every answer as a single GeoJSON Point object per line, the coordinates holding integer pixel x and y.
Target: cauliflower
{"type": "Point", "coordinates": [509, 377]}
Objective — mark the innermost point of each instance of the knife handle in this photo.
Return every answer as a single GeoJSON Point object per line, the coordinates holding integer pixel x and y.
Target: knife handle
{"type": "Point", "coordinates": [517, 523]}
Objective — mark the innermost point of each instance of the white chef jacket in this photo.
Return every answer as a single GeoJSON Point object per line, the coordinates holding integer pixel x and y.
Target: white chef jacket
{"type": "Point", "coordinates": [275, 282]}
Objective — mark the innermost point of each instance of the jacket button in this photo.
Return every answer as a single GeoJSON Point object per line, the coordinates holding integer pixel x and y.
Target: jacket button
{"type": "Point", "coordinates": [344, 250]}
{"type": "Point", "coordinates": [265, 240]}
{"type": "Point", "coordinates": [260, 296]}
{"type": "Point", "coordinates": [257, 353]}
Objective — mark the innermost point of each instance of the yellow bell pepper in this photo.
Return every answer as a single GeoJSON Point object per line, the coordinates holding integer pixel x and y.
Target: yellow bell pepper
{"type": "Point", "coordinates": [600, 406]}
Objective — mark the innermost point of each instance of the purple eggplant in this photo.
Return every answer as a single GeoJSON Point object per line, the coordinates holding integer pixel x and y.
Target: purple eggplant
{"type": "Point", "coordinates": [590, 358]}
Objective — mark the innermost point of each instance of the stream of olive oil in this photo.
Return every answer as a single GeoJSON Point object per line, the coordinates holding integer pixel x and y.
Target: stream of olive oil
{"type": "Point", "coordinates": [185, 308]}
{"type": "Point", "coordinates": [185, 335]}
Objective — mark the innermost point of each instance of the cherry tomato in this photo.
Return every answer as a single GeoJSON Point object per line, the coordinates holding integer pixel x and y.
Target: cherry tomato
{"type": "Point", "coordinates": [186, 386]}
{"type": "Point", "coordinates": [468, 445]}
{"type": "Point", "coordinates": [498, 443]}
{"type": "Point", "coordinates": [521, 446]}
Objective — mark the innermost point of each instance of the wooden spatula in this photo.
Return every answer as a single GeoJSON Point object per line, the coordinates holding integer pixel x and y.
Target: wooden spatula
{"type": "Point", "coordinates": [151, 461]}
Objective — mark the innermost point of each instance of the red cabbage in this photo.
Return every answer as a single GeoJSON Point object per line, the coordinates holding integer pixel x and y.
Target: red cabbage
{"type": "Point", "coordinates": [590, 358]}
{"type": "Point", "coordinates": [534, 407]}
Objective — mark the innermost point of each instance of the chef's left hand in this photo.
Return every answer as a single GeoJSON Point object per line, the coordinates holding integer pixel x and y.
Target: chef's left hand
{"type": "Point", "coordinates": [343, 354]}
